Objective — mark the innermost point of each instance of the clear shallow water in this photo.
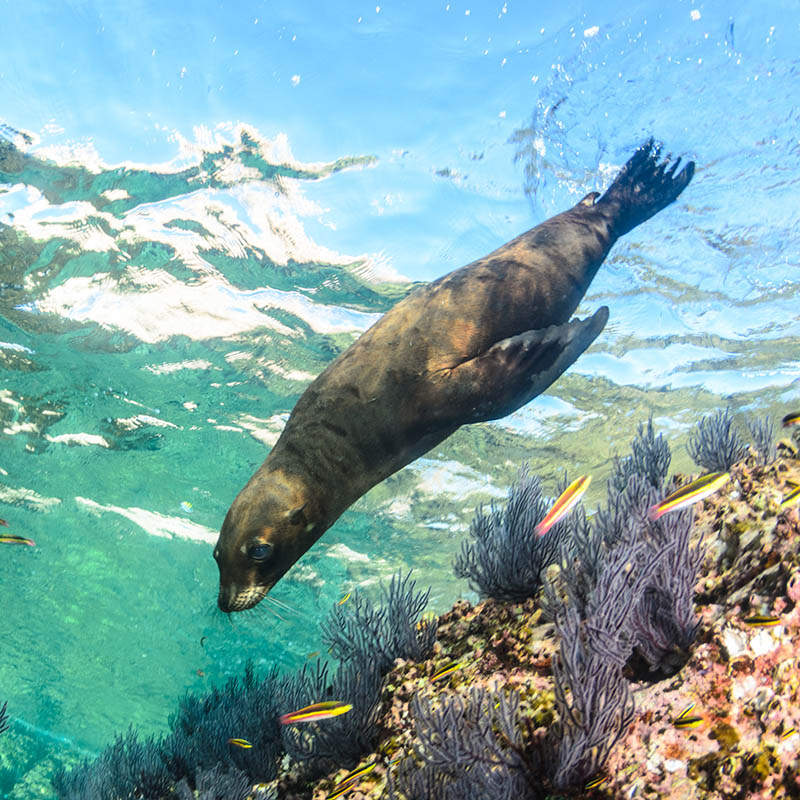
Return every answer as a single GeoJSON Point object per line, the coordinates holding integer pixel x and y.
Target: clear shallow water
{"type": "Point", "coordinates": [211, 208]}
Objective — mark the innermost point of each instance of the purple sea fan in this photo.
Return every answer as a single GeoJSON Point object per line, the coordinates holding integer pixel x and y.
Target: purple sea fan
{"type": "Point", "coordinates": [503, 558]}
{"type": "Point", "coordinates": [715, 444]}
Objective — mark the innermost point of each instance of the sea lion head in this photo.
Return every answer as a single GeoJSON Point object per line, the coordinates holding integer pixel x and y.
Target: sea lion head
{"type": "Point", "coordinates": [264, 532]}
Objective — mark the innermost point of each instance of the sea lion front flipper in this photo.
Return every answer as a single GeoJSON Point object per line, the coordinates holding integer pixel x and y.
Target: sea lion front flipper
{"type": "Point", "coordinates": [517, 369]}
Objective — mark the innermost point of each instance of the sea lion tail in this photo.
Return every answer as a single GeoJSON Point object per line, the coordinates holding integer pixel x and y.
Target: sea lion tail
{"type": "Point", "coordinates": [643, 187]}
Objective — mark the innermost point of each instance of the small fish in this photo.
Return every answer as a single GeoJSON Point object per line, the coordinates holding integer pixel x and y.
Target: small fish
{"type": "Point", "coordinates": [243, 743]}
{"type": "Point", "coordinates": [691, 493]}
{"type": "Point", "coordinates": [186, 506]}
{"type": "Point", "coordinates": [790, 498]}
{"type": "Point", "coordinates": [595, 782]}
{"type": "Point", "coordinates": [3, 522]}
{"type": "Point", "coordinates": [792, 418]}
{"type": "Point", "coordinates": [344, 599]}
{"type": "Point", "coordinates": [685, 711]}
{"type": "Point", "coordinates": [687, 722]}
{"type": "Point", "coordinates": [9, 538]}
{"type": "Point", "coordinates": [330, 708]}
{"type": "Point", "coordinates": [359, 772]}
{"type": "Point", "coordinates": [350, 780]}
{"type": "Point", "coordinates": [762, 621]}
{"type": "Point", "coordinates": [564, 504]}
{"type": "Point", "coordinates": [313, 655]}
{"type": "Point", "coordinates": [342, 789]}
{"type": "Point", "coordinates": [787, 733]}
{"type": "Point", "coordinates": [447, 669]}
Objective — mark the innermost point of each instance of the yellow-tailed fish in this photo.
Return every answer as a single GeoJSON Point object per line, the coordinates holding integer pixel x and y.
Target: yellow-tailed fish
{"type": "Point", "coordinates": [685, 711]}
{"type": "Point", "coordinates": [691, 493]}
{"type": "Point", "coordinates": [564, 504]}
{"type": "Point", "coordinates": [762, 621]}
{"type": "Point", "coordinates": [787, 733]}
{"type": "Point", "coordinates": [791, 419]}
{"type": "Point", "coordinates": [240, 743]}
{"type": "Point", "coordinates": [358, 773]}
{"type": "Point", "coordinates": [447, 669]}
{"type": "Point", "coordinates": [342, 789]}
{"type": "Point", "coordinates": [350, 780]}
{"type": "Point", "coordinates": [9, 538]}
{"type": "Point", "coordinates": [344, 599]}
{"type": "Point", "coordinates": [688, 722]}
{"type": "Point", "coordinates": [595, 782]}
{"type": "Point", "coordinates": [330, 708]}
{"type": "Point", "coordinates": [790, 498]}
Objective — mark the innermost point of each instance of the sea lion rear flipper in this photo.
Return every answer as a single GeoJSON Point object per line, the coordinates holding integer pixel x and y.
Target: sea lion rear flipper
{"type": "Point", "coordinates": [643, 187]}
{"type": "Point", "coordinates": [517, 369]}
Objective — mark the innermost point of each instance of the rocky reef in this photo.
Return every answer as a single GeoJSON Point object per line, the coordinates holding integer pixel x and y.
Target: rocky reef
{"type": "Point", "coordinates": [652, 657]}
{"type": "Point", "coordinates": [743, 676]}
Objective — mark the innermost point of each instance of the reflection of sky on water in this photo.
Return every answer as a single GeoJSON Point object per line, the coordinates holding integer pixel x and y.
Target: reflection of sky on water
{"type": "Point", "coordinates": [653, 369]}
{"type": "Point", "coordinates": [208, 309]}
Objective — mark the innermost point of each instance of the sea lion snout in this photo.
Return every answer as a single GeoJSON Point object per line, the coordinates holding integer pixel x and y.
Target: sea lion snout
{"type": "Point", "coordinates": [233, 597]}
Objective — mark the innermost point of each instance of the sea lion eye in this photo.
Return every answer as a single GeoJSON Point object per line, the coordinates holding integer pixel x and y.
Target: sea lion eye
{"type": "Point", "coordinates": [260, 552]}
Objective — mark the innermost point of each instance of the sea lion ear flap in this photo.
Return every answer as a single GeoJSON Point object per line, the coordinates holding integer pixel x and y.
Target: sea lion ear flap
{"type": "Point", "coordinates": [296, 516]}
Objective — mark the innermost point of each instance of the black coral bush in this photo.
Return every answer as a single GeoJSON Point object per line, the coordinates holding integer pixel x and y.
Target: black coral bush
{"type": "Point", "coordinates": [218, 784]}
{"type": "Point", "coordinates": [650, 459]}
{"type": "Point", "coordinates": [470, 748]}
{"type": "Point", "coordinates": [129, 768]}
{"type": "Point", "coordinates": [503, 558]}
{"type": "Point", "coordinates": [362, 631]}
{"type": "Point", "coordinates": [244, 708]}
{"type": "Point", "coordinates": [342, 740]}
{"type": "Point", "coordinates": [715, 444]}
{"type": "Point", "coordinates": [763, 433]}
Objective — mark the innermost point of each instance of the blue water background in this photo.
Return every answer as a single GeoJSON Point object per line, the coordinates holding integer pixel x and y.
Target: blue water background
{"type": "Point", "coordinates": [217, 201]}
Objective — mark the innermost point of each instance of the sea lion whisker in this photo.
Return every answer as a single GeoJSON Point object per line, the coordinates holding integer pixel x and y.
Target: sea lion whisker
{"type": "Point", "coordinates": [286, 607]}
{"type": "Point", "coordinates": [264, 611]}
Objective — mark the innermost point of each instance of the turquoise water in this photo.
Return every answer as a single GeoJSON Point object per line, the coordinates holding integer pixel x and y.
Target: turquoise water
{"type": "Point", "coordinates": [198, 213]}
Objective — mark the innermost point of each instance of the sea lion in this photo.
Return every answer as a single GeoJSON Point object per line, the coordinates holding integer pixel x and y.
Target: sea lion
{"type": "Point", "coordinates": [472, 346]}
